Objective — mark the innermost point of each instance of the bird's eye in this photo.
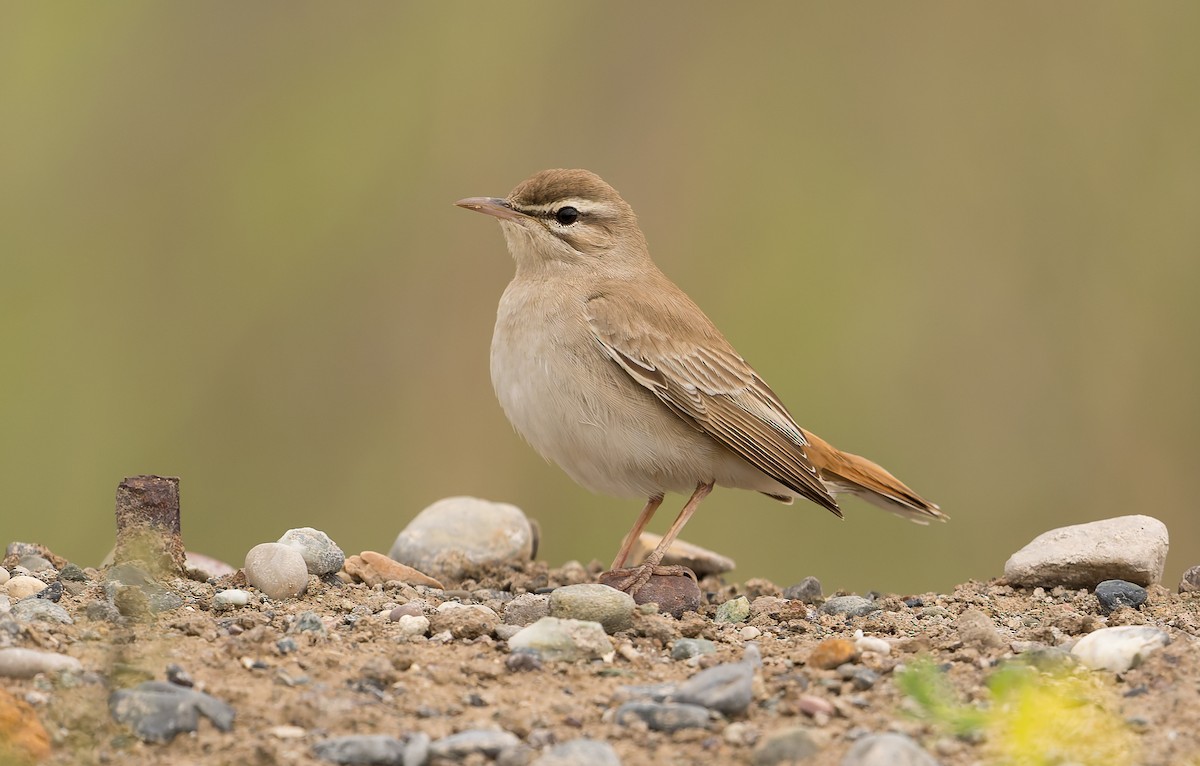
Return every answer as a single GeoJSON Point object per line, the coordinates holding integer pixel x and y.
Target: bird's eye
{"type": "Point", "coordinates": [566, 215]}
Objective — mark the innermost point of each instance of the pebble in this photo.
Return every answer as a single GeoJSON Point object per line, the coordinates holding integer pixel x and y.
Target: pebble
{"type": "Point", "coordinates": [523, 661]}
{"type": "Point", "coordinates": [749, 633]}
{"type": "Point", "coordinates": [321, 554]}
{"type": "Point", "coordinates": [663, 716]}
{"type": "Point", "coordinates": [785, 746]}
{"type": "Point", "coordinates": [456, 533]}
{"type": "Point", "coordinates": [53, 592]}
{"type": "Point", "coordinates": [416, 749]}
{"type": "Point", "coordinates": [157, 711]}
{"type": "Point", "coordinates": [412, 608]}
{"type": "Point", "coordinates": [4, 575]}
{"type": "Point", "coordinates": [580, 752]}
{"type": "Point", "coordinates": [308, 622]}
{"type": "Point", "coordinates": [1114, 594]}
{"type": "Point", "coordinates": [563, 640]}
{"type": "Point", "coordinates": [287, 731]}
{"type": "Point", "coordinates": [832, 652]}
{"type": "Point", "coordinates": [975, 629]}
{"type": "Point", "coordinates": [374, 569]}
{"type": "Point", "coordinates": [860, 678]}
{"type": "Point", "coordinates": [593, 602]}
{"type": "Point", "coordinates": [851, 606]}
{"type": "Point", "coordinates": [700, 560]}
{"type": "Point", "coordinates": [26, 663]}
{"type": "Point", "coordinates": [871, 644]}
{"type": "Point", "coordinates": [687, 648]}
{"type": "Point", "coordinates": [411, 626]}
{"type": "Point", "coordinates": [361, 749]}
{"type": "Point", "coordinates": [674, 594]}
{"type": "Point", "coordinates": [740, 734]}
{"type": "Point", "coordinates": [35, 563]}
{"type": "Point", "coordinates": [40, 610]}
{"type": "Point", "coordinates": [807, 590]}
{"type": "Point", "coordinates": [464, 620]}
{"type": "Point", "coordinates": [24, 586]}
{"type": "Point", "coordinates": [1119, 649]}
{"type": "Point", "coordinates": [734, 610]}
{"type": "Point", "coordinates": [888, 749]}
{"type": "Point", "coordinates": [277, 570]}
{"type": "Point", "coordinates": [527, 609]}
{"type": "Point", "coordinates": [1132, 548]}
{"type": "Point", "coordinates": [812, 705]}
{"type": "Point", "coordinates": [727, 688]}
{"type": "Point", "coordinates": [227, 599]}
{"type": "Point", "coordinates": [458, 746]}
{"type": "Point", "coordinates": [1190, 582]}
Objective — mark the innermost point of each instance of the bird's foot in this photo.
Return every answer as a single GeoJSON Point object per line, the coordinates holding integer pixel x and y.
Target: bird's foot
{"type": "Point", "coordinates": [633, 579]}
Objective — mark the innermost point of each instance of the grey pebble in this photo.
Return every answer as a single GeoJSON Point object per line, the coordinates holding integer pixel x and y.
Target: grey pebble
{"type": "Point", "coordinates": [35, 563]}
{"type": "Point", "coordinates": [1188, 583]}
{"type": "Point", "coordinates": [277, 570]}
{"type": "Point", "coordinates": [416, 749]}
{"type": "Point", "coordinates": [851, 606]}
{"type": "Point", "coordinates": [1114, 594]}
{"type": "Point", "coordinates": [663, 716]}
{"type": "Point", "coordinates": [157, 710]}
{"type": "Point", "coordinates": [580, 752]}
{"type": "Point", "coordinates": [455, 533]}
{"type": "Point", "coordinates": [361, 750]}
{"type": "Point", "coordinates": [734, 610]}
{"type": "Point", "coordinates": [593, 602]}
{"type": "Point", "coordinates": [487, 741]}
{"type": "Point", "coordinates": [321, 555]}
{"type": "Point", "coordinates": [73, 573]}
{"type": "Point", "coordinates": [567, 640]}
{"type": "Point", "coordinates": [785, 746]}
{"type": "Point", "coordinates": [807, 590]}
{"type": "Point", "coordinates": [308, 622]}
{"type": "Point", "coordinates": [887, 750]}
{"type": "Point", "coordinates": [527, 609]}
{"type": "Point", "coordinates": [1132, 548]}
{"type": "Point", "coordinates": [726, 688]}
{"type": "Point", "coordinates": [102, 611]}
{"type": "Point", "coordinates": [861, 678]}
{"type": "Point", "coordinates": [40, 610]}
{"type": "Point", "coordinates": [686, 648]}
{"type": "Point", "coordinates": [17, 662]}
{"type": "Point", "coordinates": [523, 661]}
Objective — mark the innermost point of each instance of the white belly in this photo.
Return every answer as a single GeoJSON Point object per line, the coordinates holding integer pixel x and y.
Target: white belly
{"type": "Point", "coordinates": [581, 411]}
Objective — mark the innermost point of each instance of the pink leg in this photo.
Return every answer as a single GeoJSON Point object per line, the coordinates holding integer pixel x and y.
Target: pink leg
{"type": "Point", "coordinates": [642, 520]}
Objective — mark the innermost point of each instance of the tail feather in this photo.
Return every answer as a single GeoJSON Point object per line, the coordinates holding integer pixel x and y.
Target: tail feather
{"type": "Point", "coordinates": [844, 472]}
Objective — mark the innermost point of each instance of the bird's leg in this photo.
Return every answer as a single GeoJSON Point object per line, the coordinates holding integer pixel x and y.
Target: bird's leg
{"type": "Point", "coordinates": [632, 579]}
{"type": "Point", "coordinates": [642, 520]}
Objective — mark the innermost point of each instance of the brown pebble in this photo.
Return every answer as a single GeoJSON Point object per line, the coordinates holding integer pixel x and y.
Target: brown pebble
{"type": "Point", "coordinates": [975, 629]}
{"type": "Point", "coordinates": [812, 705]}
{"type": "Point", "coordinates": [22, 736]}
{"type": "Point", "coordinates": [833, 652]}
{"type": "Point", "coordinates": [376, 569]}
{"type": "Point", "coordinates": [412, 609]}
{"type": "Point", "coordinates": [674, 594]}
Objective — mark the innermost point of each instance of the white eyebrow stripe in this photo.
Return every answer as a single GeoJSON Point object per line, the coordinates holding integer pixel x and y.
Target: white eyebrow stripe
{"type": "Point", "coordinates": [584, 206]}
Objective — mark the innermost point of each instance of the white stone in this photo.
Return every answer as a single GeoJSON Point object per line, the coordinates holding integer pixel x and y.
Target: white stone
{"type": "Point", "coordinates": [412, 626]}
{"type": "Point", "coordinates": [1119, 649]}
{"type": "Point", "coordinates": [457, 533]}
{"type": "Point", "coordinates": [1132, 548]}
{"type": "Point", "coordinates": [277, 570]}
{"type": "Point", "coordinates": [24, 586]}
{"type": "Point", "coordinates": [230, 598]}
{"type": "Point", "coordinates": [27, 663]}
{"type": "Point", "coordinates": [3, 575]}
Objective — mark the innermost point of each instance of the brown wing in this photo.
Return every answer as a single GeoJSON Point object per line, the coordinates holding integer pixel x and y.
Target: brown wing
{"type": "Point", "coordinates": [670, 347]}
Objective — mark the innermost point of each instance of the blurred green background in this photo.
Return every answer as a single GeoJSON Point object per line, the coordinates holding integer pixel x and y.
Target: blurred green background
{"type": "Point", "coordinates": [960, 239]}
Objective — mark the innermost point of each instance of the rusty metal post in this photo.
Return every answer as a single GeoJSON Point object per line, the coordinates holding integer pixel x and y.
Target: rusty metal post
{"type": "Point", "coordinates": [148, 528]}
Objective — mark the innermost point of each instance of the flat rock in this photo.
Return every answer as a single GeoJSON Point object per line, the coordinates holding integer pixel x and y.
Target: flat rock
{"type": "Point", "coordinates": [563, 640]}
{"type": "Point", "coordinates": [458, 746]}
{"type": "Point", "coordinates": [40, 610]}
{"type": "Point", "coordinates": [157, 711]}
{"type": "Point", "coordinates": [851, 606]}
{"type": "Point", "coordinates": [700, 560]}
{"type": "Point", "coordinates": [663, 716]}
{"type": "Point", "coordinates": [361, 749]}
{"type": "Point", "coordinates": [458, 533]}
{"type": "Point", "coordinates": [17, 662]}
{"type": "Point", "coordinates": [1132, 548]}
{"type": "Point", "coordinates": [200, 566]}
{"type": "Point", "coordinates": [373, 569]}
{"type": "Point", "coordinates": [277, 570]}
{"type": "Point", "coordinates": [887, 750]}
{"type": "Point", "coordinates": [1119, 649]}
{"type": "Point", "coordinates": [785, 746]}
{"type": "Point", "coordinates": [727, 688]}
{"type": "Point", "coordinates": [580, 752]}
{"type": "Point", "coordinates": [593, 602]}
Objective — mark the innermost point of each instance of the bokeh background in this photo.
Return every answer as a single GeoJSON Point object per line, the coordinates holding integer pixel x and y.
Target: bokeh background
{"type": "Point", "coordinates": [961, 239]}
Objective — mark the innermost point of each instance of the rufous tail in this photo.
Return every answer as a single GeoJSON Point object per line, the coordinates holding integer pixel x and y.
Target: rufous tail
{"type": "Point", "coordinates": [843, 472]}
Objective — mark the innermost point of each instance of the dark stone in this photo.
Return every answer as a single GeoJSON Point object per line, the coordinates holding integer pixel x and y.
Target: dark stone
{"type": "Point", "coordinates": [807, 590]}
{"type": "Point", "coordinates": [1114, 594]}
{"type": "Point", "coordinates": [726, 688]}
{"type": "Point", "coordinates": [73, 572]}
{"type": "Point", "coordinates": [157, 710]}
{"type": "Point", "coordinates": [669, 716]}
{"type": "Point", "coordinates": [52, 592]}
{"type": "Point", "coordinates": [674, 594]}
{"type": "Point", "coordinates": [851, 606]}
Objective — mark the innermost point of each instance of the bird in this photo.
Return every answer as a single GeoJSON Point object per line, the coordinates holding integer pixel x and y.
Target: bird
{"type": "Point", "coordinates": [610, 371]}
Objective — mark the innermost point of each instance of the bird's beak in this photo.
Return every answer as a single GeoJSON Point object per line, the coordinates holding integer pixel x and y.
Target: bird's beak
{"type": "Point", "coordinates": [492, 206]}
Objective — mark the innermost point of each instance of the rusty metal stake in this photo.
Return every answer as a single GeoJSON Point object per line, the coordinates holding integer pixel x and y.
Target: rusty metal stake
{"type": "Point", "coordinates": [148, 524]}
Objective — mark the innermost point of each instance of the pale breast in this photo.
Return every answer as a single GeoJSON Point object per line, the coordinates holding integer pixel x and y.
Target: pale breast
{"type": "Point", "coordinates": [582, 412]}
